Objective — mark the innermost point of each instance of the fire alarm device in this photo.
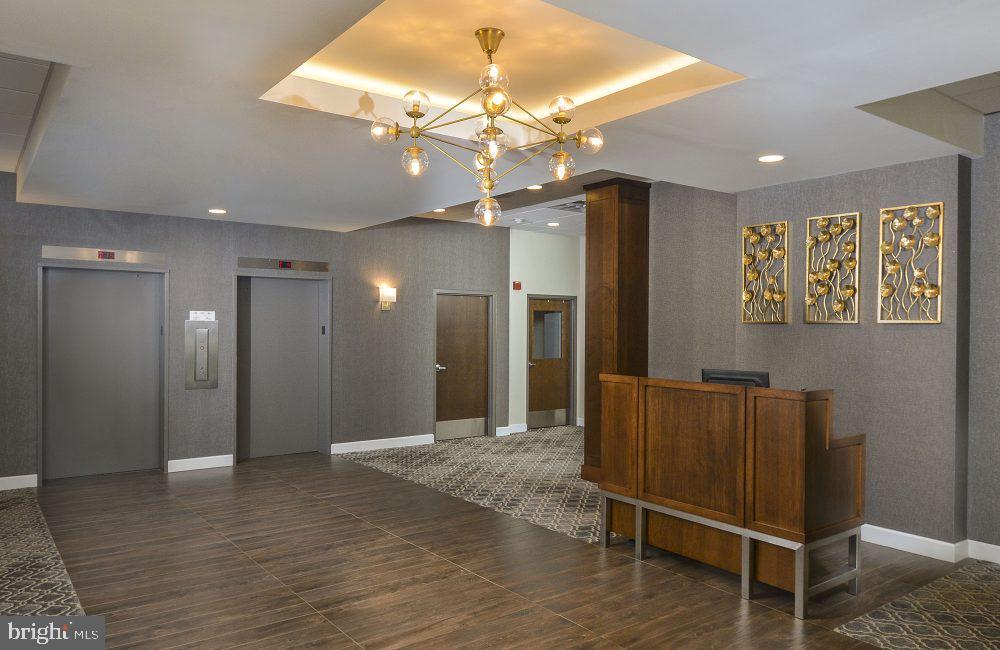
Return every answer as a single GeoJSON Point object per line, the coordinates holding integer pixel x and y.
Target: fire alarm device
{"type": "Point", "coordinates": [517, 285]}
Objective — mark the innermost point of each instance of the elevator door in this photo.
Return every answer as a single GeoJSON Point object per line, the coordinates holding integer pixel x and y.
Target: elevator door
{"type": "Point", "coordinates": [278, 366]}
{"type": "Point", "coordinates": [549, 362]}
{"type": "Point", "coordinates": [463, 366]}
{"type": "Point", "coordinates": [102, 347]}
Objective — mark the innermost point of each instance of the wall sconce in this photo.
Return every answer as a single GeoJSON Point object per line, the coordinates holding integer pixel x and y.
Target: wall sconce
{"type": "Point", "coordinates": [386, 296]}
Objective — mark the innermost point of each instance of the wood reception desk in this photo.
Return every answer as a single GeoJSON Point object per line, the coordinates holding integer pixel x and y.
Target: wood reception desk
{"type": "Point", "coordinates": [746, 479]}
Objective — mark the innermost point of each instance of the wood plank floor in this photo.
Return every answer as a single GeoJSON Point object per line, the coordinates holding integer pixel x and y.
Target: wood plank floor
{"type": "Point", "coordinates": [310, 550]}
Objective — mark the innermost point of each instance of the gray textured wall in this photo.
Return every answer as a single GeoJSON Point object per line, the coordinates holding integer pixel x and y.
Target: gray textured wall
{"type": "Point", "coordinates": [690, 311]}
{"type": "Point", "coordinates": [371, 397]}
{"type": "Point", "coordinates": [900, 384]}
{"type": "Point", "coordinates": [984, 412]}
{"type": "Point", "coordinates": [391, 391]}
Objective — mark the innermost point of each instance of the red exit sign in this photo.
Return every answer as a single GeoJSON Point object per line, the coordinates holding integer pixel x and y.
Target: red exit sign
{"type": "Point", "coordinates": [105, 255]}
{"type": "Point", "coordinates": [284, 264]}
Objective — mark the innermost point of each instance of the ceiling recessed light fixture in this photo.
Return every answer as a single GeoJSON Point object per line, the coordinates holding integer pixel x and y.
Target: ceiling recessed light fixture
{"type": "Point", "coordinates": [519, 220]}
{"type": "Point", "coordinates": [438, 209]}
{"type": "Point", "coordinates": [534, 187]}
{"type": "Point", "coordinates": [771, 158]}
{"type": "Point", "coordinates": [217, 211]}
{"type": "Point", "coordinates": [553, 224]}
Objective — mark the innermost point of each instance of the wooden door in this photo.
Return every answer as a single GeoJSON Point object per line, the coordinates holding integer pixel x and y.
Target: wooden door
{"type": "Point", "coordinates": [550, 364]}
{"type": "Point", "coordinates": [463, 366]}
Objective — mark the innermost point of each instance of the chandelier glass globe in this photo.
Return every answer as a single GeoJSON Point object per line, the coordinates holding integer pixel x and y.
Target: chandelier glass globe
{"type": "Point", "coordinates": [482, 161]}
{"type": "Point", "coordinates": [590, 141]}
{"type": "Point", "coordinates": [492, 142]}
{"type": "Point", "coordinates": [416, 104]}
{"type": "Point", "coordinates": [494, 75]}
{"type": "Point", "coordinates": [561, 109]}
{"type": "Point", "coordinates": [562, 165]}
{"type": "Point", "coordinates": [415, 161]}
{"type": "Point", "coordinates": [384, 131]}
{"type": "Point", "coordinates": [495, 101]}
{"type": "Point", "coordinates": [488, 211]}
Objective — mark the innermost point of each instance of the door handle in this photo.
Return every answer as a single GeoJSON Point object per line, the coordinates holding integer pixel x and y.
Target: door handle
{"type": "Point", "coordinates": [532, 364]}
{"type": "Point", "coordinates": [438, 367]}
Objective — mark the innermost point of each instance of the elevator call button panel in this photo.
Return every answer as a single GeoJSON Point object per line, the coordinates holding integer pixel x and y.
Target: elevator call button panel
{"type": "Point", "coordinates": [201, 351]}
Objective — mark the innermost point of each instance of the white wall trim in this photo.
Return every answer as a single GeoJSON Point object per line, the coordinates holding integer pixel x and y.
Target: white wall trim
{"type": "Point", "coordinates": [204, 462]}
{"type": "Point", "coordinates": [935, 548]}
{"type": "Point", "coordinates": [579, 422]}
{"type": "Point", "coordinates": [17, 482]}
{"type": "Point", "coordinates": [910, 543]}
{"type": "Point", "coordinates": [983, 551]}
{"type": "Point", "coordinates": [513, 428]}
{"type": "Point", "coordinates": [381, 443]}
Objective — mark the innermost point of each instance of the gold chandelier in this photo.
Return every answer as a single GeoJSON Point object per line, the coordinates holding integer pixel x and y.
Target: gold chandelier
{"type": "Point", "coordinates": [491, 142]}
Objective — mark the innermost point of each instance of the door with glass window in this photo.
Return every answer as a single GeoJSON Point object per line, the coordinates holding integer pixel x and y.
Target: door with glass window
{"type": "Point", "coordinates": [550, 362]}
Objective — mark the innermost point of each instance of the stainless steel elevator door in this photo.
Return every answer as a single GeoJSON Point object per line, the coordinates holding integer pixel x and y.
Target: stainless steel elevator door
{"type": "Point", "coordinates": [281, 363]}
{"type": "Point", "coordinates": [102, 347]}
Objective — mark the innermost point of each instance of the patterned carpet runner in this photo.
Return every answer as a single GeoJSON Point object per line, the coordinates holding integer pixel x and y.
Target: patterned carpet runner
{"type": "Point", "coordinates": [33, 578]}
{"type": "Point", "coordinates": [533, 476]}
{"type": "Point", "coordinates": [960, 610]}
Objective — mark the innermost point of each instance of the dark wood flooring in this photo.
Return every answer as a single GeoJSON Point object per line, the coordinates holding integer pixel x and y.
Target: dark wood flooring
{"type": "Point", "coordinates": [310, 550]}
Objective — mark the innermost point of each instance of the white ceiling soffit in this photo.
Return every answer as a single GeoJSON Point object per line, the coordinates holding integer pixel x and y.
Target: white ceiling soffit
{"type": "Point", "coordinates": [161, 111]}
{"type": "Point", "coordinates": [21, 83]}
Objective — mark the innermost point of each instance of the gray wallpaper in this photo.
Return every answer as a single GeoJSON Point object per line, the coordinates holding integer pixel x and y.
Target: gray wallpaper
{"type": "Point", "coordinates": [984, 412]}
{"type": "Point", "coordinates": [390, 391]}
{"type": "Point", "coordinates": [371, 397]}
{"type": "Point", "coordinates": [897, 383]}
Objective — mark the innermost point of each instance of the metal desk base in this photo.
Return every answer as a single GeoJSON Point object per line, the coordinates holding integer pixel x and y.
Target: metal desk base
{"type": "Point", "coordinates": [803, 590]}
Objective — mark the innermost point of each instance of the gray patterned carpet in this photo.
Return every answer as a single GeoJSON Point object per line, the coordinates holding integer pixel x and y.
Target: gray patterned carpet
{"type": "Point", "coordinates": [533, 476]}
{"type": "Point", "coordinates": [960, 610]}
{"type": "Point", "coordinates": [33, 578]}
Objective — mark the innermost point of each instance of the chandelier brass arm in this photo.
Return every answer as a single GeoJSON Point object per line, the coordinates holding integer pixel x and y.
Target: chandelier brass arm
{"type": "Point", "coordinates": [521, 162]}
{"type": "Point", "coordinates": [491, 141]}
{"type": "Point", "coordinates": [460, 146]}
{"type": "Point", "coordinates": [544, 126]}
{"type": "Point", "coordinates": [460, 102]}
{"type": "Point", "coordinates": [453, 158]}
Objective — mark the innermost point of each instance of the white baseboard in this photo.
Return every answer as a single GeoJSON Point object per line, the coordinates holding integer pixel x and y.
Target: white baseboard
{"type": "Point", "coordinates": [204, 462]}
{"type": "Point", "coordinates": [381, 443]}
{"type": "Point", "coordinates": [935, 548]}
{"type": "Point", "coordinates": [579, 422]}
{"type": "Point", "coordinates": [17, 482]}
{"type": "Point", "coordinates": [513, 428]}
{"type": "Point", "coordinates": [983, 551]}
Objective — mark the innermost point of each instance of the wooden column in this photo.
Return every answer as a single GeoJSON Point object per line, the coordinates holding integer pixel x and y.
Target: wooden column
{"type": "Point", "coordinates": [617, 298]}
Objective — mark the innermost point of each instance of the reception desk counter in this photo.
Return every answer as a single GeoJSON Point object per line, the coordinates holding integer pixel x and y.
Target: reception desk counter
{"type": "Point", "coordinates": [750, 480]}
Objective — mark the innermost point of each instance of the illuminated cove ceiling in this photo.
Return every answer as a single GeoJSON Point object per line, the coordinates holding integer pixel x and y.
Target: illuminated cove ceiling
{"type": "Point", "coordinates": [547, 51]}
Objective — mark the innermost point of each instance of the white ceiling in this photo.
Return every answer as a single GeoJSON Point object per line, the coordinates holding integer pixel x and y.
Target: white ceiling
{"type": "Point", "coordinates": [21, 81]}
{"type": "Point", "coordinates": [161, 110]}
{"type": "Point", "coordinates": [535, 218]}
{"type": "Point", "coordinates": [981, 93]}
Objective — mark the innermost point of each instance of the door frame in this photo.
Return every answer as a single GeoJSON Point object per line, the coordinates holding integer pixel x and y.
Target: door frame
{"type": "Point", "coordinates": [571, 411]}
{"type": "Point", "coordinates": [325, 396]}
{"type": "Point", "coordinates": [491, 297]}
{"type": "Point", "coordinates": [40, 349]}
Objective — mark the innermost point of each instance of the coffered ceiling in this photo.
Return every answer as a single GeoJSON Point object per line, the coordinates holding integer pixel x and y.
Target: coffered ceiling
{"type": "Point", "coordinates": [161, 110]}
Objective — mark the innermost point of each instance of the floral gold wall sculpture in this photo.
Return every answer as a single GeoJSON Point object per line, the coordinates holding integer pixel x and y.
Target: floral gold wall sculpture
{"type": "Point", "coordinates": [910, 264]}
{"type": "Point", "coordinates": [765, 273]}
{"type": "Point", "coordinates": [833, 244]}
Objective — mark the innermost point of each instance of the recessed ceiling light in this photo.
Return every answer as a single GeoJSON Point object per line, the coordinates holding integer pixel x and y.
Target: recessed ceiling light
{"type": "Point", "coordinates": [519, 220]}
{"type": "Point", "coordinates": [534, 187]}
{"type": "Point", "coordinates": [217, 211]}
{"type": "Point", "coordinates": [438, 209]}
{"type": "Point", "coordinates": [771, 158]}
{"type": "Point", "coordinates": [553, 224]}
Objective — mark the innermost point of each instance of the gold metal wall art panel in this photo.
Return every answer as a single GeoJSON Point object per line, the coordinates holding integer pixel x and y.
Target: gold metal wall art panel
{"type": "Point", "coordinates": [910, 263]}
{"type": "Point", "coordinates": [833, 247]}
{"type": "Point", "coordinates": [764, 249]}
